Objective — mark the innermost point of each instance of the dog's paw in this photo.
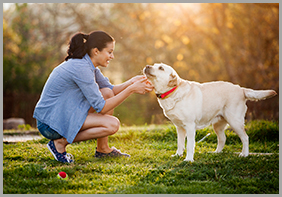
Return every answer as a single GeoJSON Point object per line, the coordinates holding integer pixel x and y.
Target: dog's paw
{"type": "Point", "coordinates": [176, 155]}
{"type": "Point", "coordinates": [243, 155]}
{"type": "Point", "coordinates": [191, 160]}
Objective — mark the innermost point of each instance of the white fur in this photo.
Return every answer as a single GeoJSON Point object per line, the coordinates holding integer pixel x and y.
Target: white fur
{"type": "Point", "coordinates": [195, 105]}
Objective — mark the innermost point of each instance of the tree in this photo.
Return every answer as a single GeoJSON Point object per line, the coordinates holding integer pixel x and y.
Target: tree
{"type": "Point", "coordinates": [203, 42]}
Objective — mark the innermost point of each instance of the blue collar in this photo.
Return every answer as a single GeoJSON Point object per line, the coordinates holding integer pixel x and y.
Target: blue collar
{"type": "Point", "coordinates": [87, 58]}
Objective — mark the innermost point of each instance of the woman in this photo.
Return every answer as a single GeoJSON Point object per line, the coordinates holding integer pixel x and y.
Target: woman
{"type": "Point", "coordinates": [75, 90]}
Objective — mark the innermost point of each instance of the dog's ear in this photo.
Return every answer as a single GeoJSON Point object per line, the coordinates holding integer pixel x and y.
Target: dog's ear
{"type": "Point", "coordinates": [173, 81]}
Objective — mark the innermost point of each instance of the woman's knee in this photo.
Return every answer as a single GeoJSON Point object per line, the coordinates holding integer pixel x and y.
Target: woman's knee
{"type": "Point", "coordinates": [113, 125]}
{"type": "Point", "coordinates": [107, 93]}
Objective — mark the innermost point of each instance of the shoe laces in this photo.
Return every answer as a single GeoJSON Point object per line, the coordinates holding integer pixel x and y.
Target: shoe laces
{"type": "Point", "coordinates": [121, 152]}
{"type": "Point", "coordinates": [69, 157]}
{"type": "Point", "coordinates": [116, 149]}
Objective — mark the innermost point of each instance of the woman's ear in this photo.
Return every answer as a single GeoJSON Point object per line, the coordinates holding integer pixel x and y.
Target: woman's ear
{"type": "Point", "coordinates": [173, 81]}
{"type": "Point", "coordinates": [94, 51]}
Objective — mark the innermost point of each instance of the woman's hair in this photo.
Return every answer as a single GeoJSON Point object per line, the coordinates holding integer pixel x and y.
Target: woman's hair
{"type": "Point", "coordinates": [80, 43]}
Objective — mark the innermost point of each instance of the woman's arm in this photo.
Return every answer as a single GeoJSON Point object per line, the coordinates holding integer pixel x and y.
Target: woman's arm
{"type": "Point", "coordinates": [119, 88]}
{"type": "Point", "coordinates": [140, 87]}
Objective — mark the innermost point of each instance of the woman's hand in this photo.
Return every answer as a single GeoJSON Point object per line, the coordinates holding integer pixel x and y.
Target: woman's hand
{"type": "Point", "coordinates": [119, 88]}
{"type": "Point", "coordinates": [136, 78]}
{"type": "Point", "coordinates": [141, 85]}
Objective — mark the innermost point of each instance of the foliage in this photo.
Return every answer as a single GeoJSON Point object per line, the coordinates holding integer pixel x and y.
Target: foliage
{"type": "Point", "coordinates": [30, 168]}
{"type": "Point", "coordinates": [25, 127]}
{"type": "Point", "coordinates": [236, 42]}
{"type": "Point", "coordinates": [25, 52]}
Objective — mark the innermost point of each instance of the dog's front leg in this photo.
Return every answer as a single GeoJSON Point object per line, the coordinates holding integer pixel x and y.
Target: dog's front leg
{"type": "Point", "coordinates": [181, 134]}
{"type": "Point", "coordinates": [191, 131]}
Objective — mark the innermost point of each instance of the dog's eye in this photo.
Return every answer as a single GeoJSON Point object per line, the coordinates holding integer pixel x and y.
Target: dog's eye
{"type": "Point", "coordinates": [161, 68]}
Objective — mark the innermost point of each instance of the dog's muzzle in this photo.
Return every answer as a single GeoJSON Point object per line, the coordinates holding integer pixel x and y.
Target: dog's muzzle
{"type": "Point", "coordinates": [147, 71]}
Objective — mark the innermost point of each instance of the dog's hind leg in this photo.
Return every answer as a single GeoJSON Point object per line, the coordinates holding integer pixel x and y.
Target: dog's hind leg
{"type": "Point", "coordinates": [181, 135]}
{"type": "Point", "coordinates": [240, 130]}
{"type": "Point", "coordinates": [234, 115]}
{"type": "Point", "coordinates": [219, 128]}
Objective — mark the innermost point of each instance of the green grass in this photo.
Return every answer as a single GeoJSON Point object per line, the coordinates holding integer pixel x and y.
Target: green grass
{"type": "Point", "coordinates": [30, 168]}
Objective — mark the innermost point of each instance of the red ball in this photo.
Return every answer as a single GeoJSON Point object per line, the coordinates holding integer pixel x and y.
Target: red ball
{"type": "Point", "coordinates": [62, 174]}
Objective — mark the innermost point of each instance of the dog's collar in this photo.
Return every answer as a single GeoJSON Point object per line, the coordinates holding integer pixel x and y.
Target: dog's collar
{"type": "Point", "coordinates": [161, 96]}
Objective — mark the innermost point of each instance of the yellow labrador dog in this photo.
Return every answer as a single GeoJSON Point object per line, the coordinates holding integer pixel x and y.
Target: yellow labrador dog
{"type": "Point", "coordinates": [191, 106]}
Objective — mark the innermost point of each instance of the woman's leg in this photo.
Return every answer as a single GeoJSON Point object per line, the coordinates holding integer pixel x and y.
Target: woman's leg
{"type": "Point", "coordinates": [102, 143]}
{"type": "Point", "coordinates": [96, 126]}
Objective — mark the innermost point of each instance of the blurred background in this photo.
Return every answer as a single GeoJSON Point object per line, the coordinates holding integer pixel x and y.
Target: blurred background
{"type": "Point", "coordinates": [204, 42]}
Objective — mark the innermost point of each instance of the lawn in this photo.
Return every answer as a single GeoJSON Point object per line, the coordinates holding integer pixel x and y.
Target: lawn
{"type": "Point", "coordinates": [29, 167]}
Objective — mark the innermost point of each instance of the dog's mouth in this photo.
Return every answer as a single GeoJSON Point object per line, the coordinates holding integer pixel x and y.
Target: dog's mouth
{"type": "Point", "coordinates": [147, 72]}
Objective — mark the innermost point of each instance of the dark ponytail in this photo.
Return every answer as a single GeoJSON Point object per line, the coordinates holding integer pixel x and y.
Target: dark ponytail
{"type": "Point", "coordinates": [81, 44]}
{"type": "Point", "coordinates": [77, 48]}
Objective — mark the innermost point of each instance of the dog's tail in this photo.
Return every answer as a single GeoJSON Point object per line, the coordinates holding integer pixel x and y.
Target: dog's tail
{"type": "Point", "coordinates": [255, 95]}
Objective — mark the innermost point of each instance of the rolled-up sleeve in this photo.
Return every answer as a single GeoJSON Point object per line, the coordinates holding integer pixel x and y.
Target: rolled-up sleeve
{"type": "Point", "coordinates": [102, 81]}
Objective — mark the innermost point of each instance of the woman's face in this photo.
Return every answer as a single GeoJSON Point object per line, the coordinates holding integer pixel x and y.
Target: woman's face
{"type": "Point", "coordinates": [103, 58]}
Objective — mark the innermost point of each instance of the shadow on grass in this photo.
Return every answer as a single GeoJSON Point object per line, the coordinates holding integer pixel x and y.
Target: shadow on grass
{"type": "Point", "coordinates": [211, 174]}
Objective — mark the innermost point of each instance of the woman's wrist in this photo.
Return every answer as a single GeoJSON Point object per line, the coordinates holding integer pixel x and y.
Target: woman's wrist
{"type": "Point", "coordinates": [130, 82]}
{"type": "Point", "coordinates": [131, 88]}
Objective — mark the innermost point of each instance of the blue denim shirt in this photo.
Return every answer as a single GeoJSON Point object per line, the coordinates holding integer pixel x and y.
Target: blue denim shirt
{"type": "Point", "coordinates": [70, 90]}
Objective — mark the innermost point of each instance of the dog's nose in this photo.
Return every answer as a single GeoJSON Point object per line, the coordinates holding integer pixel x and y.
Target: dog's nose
{"type": "Point", "coordinates": [146, 69]}
{"type": "Point", "coordinates": [148, 66]}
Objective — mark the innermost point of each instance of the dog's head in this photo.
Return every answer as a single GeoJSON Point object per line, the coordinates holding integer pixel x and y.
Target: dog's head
{"type": "Point", "coordinates": [162, 76]}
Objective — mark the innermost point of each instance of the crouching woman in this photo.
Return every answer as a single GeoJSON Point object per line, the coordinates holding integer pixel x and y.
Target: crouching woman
{"type": "Point", "coordinates": [77, 101]}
